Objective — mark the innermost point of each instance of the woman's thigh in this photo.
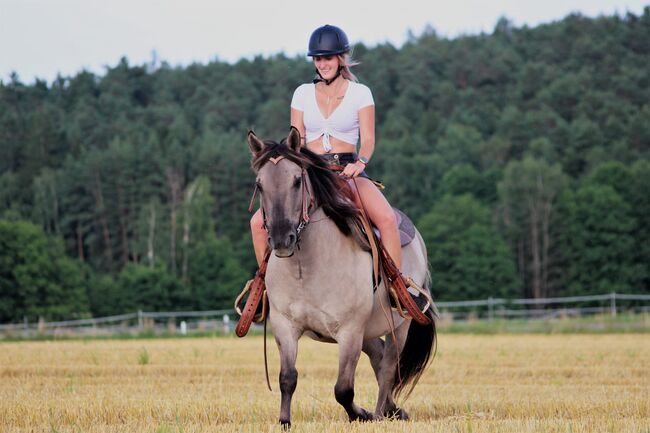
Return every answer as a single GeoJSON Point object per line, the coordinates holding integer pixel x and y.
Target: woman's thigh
{"type": "Point", "coordinates": [368, 196]}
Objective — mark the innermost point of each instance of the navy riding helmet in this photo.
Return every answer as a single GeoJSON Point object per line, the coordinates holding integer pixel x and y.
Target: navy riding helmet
{"type": "Point", "coordinates": [327, 41]}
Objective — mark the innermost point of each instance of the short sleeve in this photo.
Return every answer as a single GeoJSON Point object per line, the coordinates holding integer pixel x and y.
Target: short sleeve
{"type": "Point", "coordinates": [298, 100]}
{"type": "Point", "coordinates": [365, 97]}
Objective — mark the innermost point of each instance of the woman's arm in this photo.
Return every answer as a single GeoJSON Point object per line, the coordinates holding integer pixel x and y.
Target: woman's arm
{"type": "Point", "coordinates": [367, 131]}
{"type": "Point", "coordinates": [366, 139]}
{"type": "Point", "coordinates": [298, 123]}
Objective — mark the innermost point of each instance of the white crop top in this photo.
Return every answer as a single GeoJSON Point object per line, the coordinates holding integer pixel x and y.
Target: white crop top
{"type": "Point", "coordinates": [343, 122]}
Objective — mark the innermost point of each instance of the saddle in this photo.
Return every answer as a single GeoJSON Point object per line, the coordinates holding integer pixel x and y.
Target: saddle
{"type": "Point", "coordinates": [407, 298]}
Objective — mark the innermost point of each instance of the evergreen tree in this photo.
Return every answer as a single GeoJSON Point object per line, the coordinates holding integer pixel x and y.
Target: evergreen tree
{"type": "Point", "coordinates": [528, 195]}
{"type": "Point", "coordinates": [37, 279]}
{"type": "Point", "coordinates": [107, 162]}
{"type": "Point", "coordinates": [600, 250]}
{"type": "Point", "coordinates": [469, 259]}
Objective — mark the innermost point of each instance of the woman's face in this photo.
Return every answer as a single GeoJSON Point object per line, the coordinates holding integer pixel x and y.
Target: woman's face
{"type": "Point", "coordinates": [327, 66]}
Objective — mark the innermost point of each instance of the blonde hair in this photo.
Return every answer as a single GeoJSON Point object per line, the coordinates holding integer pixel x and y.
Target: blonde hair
{"type": "Point", "coordinates": [346, 62]}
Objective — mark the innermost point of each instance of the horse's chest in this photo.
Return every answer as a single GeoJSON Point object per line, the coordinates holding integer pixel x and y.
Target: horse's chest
{"type": "Point", "coordinates": [314, 300]}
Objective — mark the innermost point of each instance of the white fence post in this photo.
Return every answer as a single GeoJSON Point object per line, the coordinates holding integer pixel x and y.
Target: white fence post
{"type": "Point", "coordinates": [140, 320]}
{"type": "Point", "coordinates": [183, 327]}
{"type": "Point", "coordinates": [613, 303]}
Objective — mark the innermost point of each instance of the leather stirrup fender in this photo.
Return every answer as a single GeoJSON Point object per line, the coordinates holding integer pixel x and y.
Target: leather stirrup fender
{"type": "Point", "coordinates": [257, 287]}
{"type": "Point", "coordinates": [399, 289]}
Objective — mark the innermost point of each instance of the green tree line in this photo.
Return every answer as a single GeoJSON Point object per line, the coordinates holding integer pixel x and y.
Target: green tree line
{"type": "Point", "coordinates": [522, 155]}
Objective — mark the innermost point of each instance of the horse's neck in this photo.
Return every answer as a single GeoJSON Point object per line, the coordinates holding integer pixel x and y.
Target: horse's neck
{"type": "Point", "coordinates": [322, 236]}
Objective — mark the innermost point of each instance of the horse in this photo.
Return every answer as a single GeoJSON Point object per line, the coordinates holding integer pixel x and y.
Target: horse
{"type": "Point", "coordinates": [319, 281]}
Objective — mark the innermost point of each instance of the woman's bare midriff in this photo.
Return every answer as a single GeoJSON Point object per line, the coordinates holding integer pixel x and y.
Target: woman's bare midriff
{"type": "Point", "coordinates": [338, 146]}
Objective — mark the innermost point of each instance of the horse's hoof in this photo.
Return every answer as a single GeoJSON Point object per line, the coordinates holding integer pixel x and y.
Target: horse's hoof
{"type": "Point", "coordinates": [363, 416]}
{"type": "Point", "coordinates": [397, 414]}
{"type": "Point", "coordinates": [286, 425]}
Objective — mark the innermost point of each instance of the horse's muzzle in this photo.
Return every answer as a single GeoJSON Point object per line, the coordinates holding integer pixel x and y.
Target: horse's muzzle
{"type": "Point", "coordinates": [283, 254]}
{"type": "Point", "coordinates": [283, 245]}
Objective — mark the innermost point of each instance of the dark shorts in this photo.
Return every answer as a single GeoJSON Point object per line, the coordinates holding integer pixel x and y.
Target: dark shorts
{"type": "Point", "coordinates": [345, 158]}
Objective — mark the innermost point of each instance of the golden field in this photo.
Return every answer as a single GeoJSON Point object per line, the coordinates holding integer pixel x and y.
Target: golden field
{"type": "Point", "coordinates": [497, 383]}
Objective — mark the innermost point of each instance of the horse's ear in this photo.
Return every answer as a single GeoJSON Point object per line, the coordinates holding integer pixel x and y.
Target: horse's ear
{"type": "Point", "coordinates": [255, 143]}
{"type": "Point", "coordinates": [293, 139]}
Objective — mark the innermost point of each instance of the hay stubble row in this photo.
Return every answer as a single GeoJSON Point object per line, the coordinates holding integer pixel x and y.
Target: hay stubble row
{"type": "Point", "coordinates": [502, 383]}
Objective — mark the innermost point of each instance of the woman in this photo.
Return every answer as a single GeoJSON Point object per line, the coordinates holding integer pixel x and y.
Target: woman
{"type": "Point", "coordinates": [331, 114]}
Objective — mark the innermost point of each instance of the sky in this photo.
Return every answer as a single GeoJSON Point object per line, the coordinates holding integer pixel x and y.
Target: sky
{"type": "Point", "coordinates": [43, 38]}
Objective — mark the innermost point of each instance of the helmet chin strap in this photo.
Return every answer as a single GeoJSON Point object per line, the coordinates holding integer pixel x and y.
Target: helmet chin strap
{"type": "Point", "coordinates": [320, 78]}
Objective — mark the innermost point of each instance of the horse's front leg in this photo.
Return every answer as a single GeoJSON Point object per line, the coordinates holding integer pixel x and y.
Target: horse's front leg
{"type": "Point", "coordinates": [349, 351]}
{"type": "Point", "coordinates": [286, 337]}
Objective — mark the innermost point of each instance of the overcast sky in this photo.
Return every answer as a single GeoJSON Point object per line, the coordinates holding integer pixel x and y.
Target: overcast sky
{"type": "Point", "coordinates": [40, 38]}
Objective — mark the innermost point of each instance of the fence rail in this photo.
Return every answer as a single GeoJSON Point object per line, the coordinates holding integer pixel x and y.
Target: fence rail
{"type": "Point", "coordinates": [219, 320]}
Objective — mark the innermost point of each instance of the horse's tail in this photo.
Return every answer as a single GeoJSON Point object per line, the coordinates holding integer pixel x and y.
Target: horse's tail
{"type": "Point", "coordinates": [418, 351]}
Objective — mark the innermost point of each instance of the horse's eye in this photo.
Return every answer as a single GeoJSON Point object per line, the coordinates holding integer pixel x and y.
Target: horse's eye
{"type": "Point", "coordinates": [296, 182]}
{"type": "Point", "coordinates": [259, 186]}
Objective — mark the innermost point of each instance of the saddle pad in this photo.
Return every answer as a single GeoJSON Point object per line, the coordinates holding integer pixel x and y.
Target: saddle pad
{"type": "Point", "coordinates": [405, 227]}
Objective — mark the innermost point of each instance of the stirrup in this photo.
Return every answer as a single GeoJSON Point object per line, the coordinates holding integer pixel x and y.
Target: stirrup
{"type": "Point", "coordinates": [414, 310]}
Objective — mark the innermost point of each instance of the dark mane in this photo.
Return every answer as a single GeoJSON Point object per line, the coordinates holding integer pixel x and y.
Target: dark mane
{"type": "Point", "coordinates": [331, 192]}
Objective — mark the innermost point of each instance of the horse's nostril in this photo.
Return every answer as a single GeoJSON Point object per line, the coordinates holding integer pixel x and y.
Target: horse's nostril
{"type": "Point", "coordinates": [292, 238]}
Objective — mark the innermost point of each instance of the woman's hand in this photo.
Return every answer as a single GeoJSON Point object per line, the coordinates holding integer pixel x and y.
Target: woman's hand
{"type": "Point", "coordinates": [353, 169]}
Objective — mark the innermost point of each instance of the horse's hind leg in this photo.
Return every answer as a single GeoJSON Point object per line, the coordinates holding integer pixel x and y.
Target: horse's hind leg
{"type": "Point", "coordinates": [349, 352]}
{"type": "Point", "coordinates": [286, 337]}
{"type": "Point", "coordinates": [374, 348]}
{"type": "Point", "coordinates": [387, 374]}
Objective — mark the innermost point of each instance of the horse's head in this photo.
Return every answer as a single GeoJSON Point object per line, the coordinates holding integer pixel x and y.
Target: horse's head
{"type": "Point", "coordinates": [284, 189]}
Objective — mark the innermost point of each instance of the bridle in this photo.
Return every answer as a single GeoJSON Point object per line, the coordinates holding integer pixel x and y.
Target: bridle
{"type": "Point", "coordinates": [306, 197]}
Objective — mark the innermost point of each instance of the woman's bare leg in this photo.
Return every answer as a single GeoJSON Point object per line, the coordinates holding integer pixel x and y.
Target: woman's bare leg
{"type": "Point", "coordinates": [381, 214]}
{"type": "Point", "coordinates": [260, 236]}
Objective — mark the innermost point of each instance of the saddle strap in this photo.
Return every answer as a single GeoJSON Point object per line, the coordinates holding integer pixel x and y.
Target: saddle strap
{"type": "Point", "coordinates": [372, 240]}
{"type": "Point", "coordinates": [257, 288]}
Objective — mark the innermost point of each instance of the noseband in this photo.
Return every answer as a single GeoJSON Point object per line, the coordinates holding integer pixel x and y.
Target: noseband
{"type": "Point", "coordinates": [306, 196]}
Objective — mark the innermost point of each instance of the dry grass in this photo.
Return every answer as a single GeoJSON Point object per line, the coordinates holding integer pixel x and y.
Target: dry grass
{"type": "Point", "coordinates": [502, 383]}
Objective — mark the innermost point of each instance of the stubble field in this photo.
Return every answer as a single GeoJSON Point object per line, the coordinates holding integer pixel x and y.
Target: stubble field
{"type": "Point", "coordinates": [500, 383]}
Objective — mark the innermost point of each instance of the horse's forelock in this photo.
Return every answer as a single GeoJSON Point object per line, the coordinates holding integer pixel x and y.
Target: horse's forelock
{"type": "Point", "coordinates": [273, 149]}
